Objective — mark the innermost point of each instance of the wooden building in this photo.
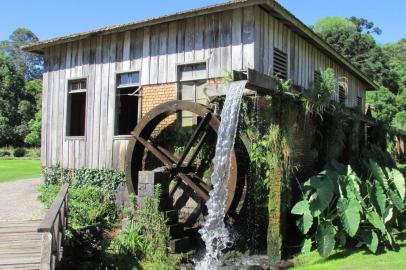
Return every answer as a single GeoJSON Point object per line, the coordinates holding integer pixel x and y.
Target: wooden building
{"type": "Point", "coordinates": [98, 84]}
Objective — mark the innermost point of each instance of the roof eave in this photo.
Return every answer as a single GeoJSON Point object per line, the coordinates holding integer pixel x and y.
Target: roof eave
{"type": "Point", "coordinates": [38, 47]}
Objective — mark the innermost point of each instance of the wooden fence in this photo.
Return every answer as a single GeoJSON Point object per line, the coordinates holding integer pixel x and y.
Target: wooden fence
{"type": "Point", "coordinates": [53, 227]}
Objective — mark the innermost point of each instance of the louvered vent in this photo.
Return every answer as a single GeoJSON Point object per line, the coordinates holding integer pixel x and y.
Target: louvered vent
{"type": "Point", "coordinates": [280, 67]}
{"type": "Point", "coordinates": [359, 102]}
{"type": "Point", "coordinates": [341, 94]}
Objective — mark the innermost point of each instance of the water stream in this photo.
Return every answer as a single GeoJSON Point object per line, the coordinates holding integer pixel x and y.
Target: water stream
{"type": "Point", "coordinates": [214, 231]}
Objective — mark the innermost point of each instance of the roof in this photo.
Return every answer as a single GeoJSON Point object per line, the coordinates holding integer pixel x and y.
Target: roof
{"type": "Point", "coordinates": [272, 6]}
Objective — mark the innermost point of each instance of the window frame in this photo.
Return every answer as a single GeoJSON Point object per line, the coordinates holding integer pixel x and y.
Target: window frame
{"type": "Point", "coordinates": [179, 81]}
{"type": "Point", "coordinates": [67, 108]}
{"type": "Point", "coordinates": [117, 87]}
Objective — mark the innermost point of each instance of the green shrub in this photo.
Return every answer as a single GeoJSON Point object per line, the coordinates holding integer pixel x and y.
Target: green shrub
{"type": "Point", "coordinates": [107, 179]}
{"type": "Point", "coordinates": [19, 152]}
{"type": "Point", "coordinates": [56, 175]}
{"type": "Point", "coordinates": [146, 237]}
{"type": "Point", "coordinates": [341, 208]}
{"type": "Point", "coordinates": [5, 153]}
{"type": "Point", "coordinates": [88, 205]}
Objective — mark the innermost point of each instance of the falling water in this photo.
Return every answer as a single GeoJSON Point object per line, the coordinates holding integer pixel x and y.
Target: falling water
{"type": "Point", "coordinates": [214, 232]}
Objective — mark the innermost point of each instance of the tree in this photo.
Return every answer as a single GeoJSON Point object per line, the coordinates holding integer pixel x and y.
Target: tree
{"type": "Point", "coordinates": [354, 40]}
{"type": "Point", "coordinates": [32, 132]}
{"type": "Point", "coordinates": [11, 86]}
{"type": "Point", "coordinates": [19, 104]}
{"type": "Point", "coordinates": [363, 25]}
{"type": "Point", "coordinates": [30, 65]}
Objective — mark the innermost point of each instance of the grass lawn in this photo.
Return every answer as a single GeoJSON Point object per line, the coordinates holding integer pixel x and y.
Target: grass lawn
{"type": "Point", "coordinates": [355, 259]}
{"type": "Point", "coordinates": [19, 169]}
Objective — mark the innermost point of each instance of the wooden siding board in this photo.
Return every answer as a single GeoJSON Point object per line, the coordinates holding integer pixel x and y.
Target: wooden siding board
{"type": "Point", "coordinates": [45, 106]}
{"type": "Point", "coordinates": [103, 101]}
{"type": "Point", "coordinates": [163, 54]}
{"type": "Point", "coordinates": [146, 59]}
{"type": "Point", "coordinates": [248, 37]}
{"type": "Point", "coordinates": [266, 43]}
{"type": "Point", "coordinates": [55, 105]}
{"type": "Point", "coordinates": [95, 138]}
{"type": "Point", "coordinates": [172, 53]}
{"type": "Point", "coordinates": [190, 40]}
{"type": "Point", "coordinates": [126, 51]}
{"type": "Point", "coordinates": [214, 59]}
{"type": "Point", "coordinates": [180, 44]}
{"type": "Point", "coordinates": [154, 64]}
{"type": "Point", "coordinates": [199, 39]}
{"type": "Point", "coordinates": [111, 102]}
{"type": "Point", "coordinates": [225, 42]}
{"type": "Point", "coordinates": [61, 105]}
{"type": "Point", "coordinates": [137, 41]}
{"type": "Point", "coordinates": [236, 50]}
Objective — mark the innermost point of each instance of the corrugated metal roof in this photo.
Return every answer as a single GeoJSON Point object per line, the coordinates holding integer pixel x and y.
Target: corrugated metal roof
{"type": "Point", "coordinates": [270, 5]}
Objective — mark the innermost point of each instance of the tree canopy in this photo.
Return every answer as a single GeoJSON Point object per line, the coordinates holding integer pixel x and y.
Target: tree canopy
{"type": "Point", "coordinates": [30, 65]}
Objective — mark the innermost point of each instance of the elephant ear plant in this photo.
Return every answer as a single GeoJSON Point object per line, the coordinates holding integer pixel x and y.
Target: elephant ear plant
{"type": "Point", "coordinates": [339, 208]}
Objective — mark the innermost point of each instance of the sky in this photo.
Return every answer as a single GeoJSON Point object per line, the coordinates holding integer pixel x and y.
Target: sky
{"type": "Point", "coordinates": [54, 18]}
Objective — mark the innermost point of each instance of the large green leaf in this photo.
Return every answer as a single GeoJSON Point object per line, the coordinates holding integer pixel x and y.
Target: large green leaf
{"type": "Point", "coordinates": [347, 188]}
{"type": "Point", "coordinates": [306, 246]}
{"type": "Point", "coordinates": [378, 197]}
{"type": "Point", "coordinates": [388, 214]}
{"type": "Point", "coordinates": [305, 222]}
{"type": "Point", "coordinates": [399, 181]}
{"type": "Point", "coordinates": [348, 210]}
{"type": "Point", "coordinates": [300, 208]}
{"type": "Point", "coordinates": [320, 200]}
{"type": "Point", "coordinates": [325, 237]}
{"type": "Point", "coordinates": [376, 221]}
{"type": "Point", "coordinates": [378, 173]}
{"type": "Point", "coordinates": [396, 200]}
{"type": "Point", "coordinates": [370, 239]}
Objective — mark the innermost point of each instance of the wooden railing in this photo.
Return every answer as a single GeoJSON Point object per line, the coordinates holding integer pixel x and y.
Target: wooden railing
{"type": "Point", "coordinates": [53, 227]}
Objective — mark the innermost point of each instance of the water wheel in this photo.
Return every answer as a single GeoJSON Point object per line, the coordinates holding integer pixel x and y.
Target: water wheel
{"type": "Point", "coordinates": [186, 166]}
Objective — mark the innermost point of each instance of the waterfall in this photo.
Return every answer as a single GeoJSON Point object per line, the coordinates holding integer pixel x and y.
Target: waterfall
{"type": "Point", "coordinates": [214, 232]}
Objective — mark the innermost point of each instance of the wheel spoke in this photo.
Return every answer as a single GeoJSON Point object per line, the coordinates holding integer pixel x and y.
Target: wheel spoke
{"type": "Point", "coordinates": [154, 151]}
{"type": "Point", "coordinates": [201, 192]}
{"type": "Point", "coordinates": [200, 182]}
{"type": "Point", "coordinates": [202, 125]}
{"type": "Point", "coordinates": [167, 153]}
{"type": "Point", "coordinates": [198, 148]}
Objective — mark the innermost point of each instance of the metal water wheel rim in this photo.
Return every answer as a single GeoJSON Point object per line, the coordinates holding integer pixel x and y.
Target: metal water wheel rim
{"type": "Point", "coordinates": [146, 126]}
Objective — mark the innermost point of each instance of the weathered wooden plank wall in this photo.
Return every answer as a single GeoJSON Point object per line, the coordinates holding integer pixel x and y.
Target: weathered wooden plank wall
{"type": "Point", "coordinates": [304, 57]}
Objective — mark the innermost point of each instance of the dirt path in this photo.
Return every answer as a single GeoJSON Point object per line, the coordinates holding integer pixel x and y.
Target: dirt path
{"type": "Point", "coordinates": [18, 200]}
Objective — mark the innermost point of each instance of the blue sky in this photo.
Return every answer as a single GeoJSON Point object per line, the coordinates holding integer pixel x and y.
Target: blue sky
{"type": "Point", "coordinates": [53, 18]}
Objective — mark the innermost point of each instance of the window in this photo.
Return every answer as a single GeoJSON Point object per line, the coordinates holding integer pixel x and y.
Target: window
{"type": "Point", "coordinates": [76, 109]}
{"type": "Point", "coordinates": [192, 81]}
{"type": "Point", "coordinates": [341, 95]}
{"type": "Point", "coordinates": [127, 102]}
{"type": "Point", "coordinates": [280, 64]}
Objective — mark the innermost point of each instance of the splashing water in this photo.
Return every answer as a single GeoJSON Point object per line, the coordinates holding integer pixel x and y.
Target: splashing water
{"type": "Point", "coordinates": [214, 232]}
